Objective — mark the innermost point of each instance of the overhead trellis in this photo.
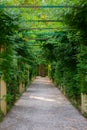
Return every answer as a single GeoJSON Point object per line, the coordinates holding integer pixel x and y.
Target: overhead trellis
{"type": "Point", "coordinates": [40, 20]}
{"type": "Point", "coordinates": [32, 20]}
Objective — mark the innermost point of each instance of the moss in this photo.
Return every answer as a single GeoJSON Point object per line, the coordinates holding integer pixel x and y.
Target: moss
{"type": "Point", "coordinates": [1, 116]}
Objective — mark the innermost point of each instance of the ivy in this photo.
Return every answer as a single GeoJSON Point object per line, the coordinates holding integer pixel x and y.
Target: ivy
{"type": "Point", "coordinates": [16, 56]}
{"type": "Point", "coordinates": [67, 54]}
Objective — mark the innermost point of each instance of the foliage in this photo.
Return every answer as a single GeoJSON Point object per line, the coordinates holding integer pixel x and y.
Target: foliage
{"type": "Point", "coordinates": [1, 116]}
{"type": "Point", "coordinates": [67, 54]}
{"type": "Point", "coordinates": [77, 19]}
{"type": "Point", "coordinates": [16, 56]}
{"type": "Point", "coordinates": [64, 62]}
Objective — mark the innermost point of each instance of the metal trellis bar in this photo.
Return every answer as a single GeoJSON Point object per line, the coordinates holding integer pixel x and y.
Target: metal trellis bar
{"type": "Point", "coordinates": [26, 29]}
{"type": "Point", "coordinates": [33, 6]}
{"type": "Point", "coordinates": [36, 28]}
{"type": "Point", "coordinates": [45, 20]}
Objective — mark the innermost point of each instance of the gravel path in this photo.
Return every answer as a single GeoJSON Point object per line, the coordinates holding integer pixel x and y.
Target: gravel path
{"type": "Point", "coordinates": [43, 107]}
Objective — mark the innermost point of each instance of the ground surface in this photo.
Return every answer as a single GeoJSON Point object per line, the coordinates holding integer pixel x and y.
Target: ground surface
{"type": "Point", "coordinates": [43, 107]}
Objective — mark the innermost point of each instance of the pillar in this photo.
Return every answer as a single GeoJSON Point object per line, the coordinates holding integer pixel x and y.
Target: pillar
{"type": "Point", "coordinates": [21, 88]}
{"type": "Point", "coordinates": [84, 103]}
{"type": "Point", "coordinates": [3, 92]}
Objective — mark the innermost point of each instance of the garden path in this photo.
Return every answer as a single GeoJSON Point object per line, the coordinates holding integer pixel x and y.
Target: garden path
{"type": "Point", "coordinates": [43, 107]}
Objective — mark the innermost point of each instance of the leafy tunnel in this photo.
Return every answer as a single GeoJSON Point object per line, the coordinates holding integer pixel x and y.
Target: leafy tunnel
{"type": "Point", "coordinates": [40, 37]}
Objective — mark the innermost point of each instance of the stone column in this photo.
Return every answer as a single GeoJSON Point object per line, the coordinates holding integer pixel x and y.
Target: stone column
{"type": "Point", "coordinates": [21, 88]}
{"type": "Point", "coordinates": [3, 92]}
{"type": "Point", "coordinates": [84, 103]}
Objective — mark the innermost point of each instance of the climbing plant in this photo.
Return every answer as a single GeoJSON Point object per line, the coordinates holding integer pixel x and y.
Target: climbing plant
{"type": "Point", "coordinates": [67, 53]}
{"type": "Point", "coordinates": [16, 58]}
{"type": "Point", "coordinates": [78, 21]}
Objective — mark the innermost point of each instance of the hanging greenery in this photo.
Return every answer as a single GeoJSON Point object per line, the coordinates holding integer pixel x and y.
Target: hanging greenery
{"type": "Point", "coordinates": [67, 54]}
{"type": "Point", "coordinates": [16, 58]}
